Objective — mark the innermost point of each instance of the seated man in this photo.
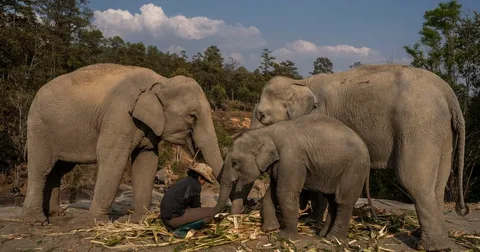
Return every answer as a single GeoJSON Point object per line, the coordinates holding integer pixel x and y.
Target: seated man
{"type": "Point", "coordinates": [180, 208]}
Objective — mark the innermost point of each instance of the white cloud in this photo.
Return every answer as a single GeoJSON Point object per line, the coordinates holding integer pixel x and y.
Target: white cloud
{"type": "Point", "coordinates": [282, 53]}
{"type": "Point", "coordinates": [302, 46]}
{"type": "Point", "coordinates": [237, 57]}
{"type": "Point", "coordinates": [346, 49]}
{"type": "Point", "coordinates": [153, 21]}
{"type": "Point", "coordinates": [308, 48]}
{"type": "Point", "coordinates": [303, 54]}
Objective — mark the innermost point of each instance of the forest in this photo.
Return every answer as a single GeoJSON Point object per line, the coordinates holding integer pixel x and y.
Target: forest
{"type": "Point", "coordinates": [42, 39]}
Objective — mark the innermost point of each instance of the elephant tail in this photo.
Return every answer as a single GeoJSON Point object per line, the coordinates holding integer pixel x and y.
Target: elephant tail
{"type": "Point", "coordinates": [459, 127]}
{"type": "Point", "coordinates": [367, 192]}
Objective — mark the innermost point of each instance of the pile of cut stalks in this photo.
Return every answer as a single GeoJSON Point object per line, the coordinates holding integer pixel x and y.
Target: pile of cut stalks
{"type": "Point", "coordinates": [243, 233]}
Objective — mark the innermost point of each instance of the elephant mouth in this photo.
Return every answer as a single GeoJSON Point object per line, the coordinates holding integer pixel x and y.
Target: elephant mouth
{"type": "Point", "coordinates": [265, 121]}
{"type": "Point", "coordinates": [191, 145]}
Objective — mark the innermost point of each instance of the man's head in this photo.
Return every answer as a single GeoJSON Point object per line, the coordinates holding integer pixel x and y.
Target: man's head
{"type": "Point", "coordinates": [196, 176]}
{"type": "Point", "coordinates": [202, 172]}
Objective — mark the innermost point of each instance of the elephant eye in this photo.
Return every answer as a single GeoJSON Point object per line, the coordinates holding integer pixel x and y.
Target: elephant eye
{"type": "Point", "coordinates": [235, 164]}
{"type": "Point", "coordinates": [190, 118]}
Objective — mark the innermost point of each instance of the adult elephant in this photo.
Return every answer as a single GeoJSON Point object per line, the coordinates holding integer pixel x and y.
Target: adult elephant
{"type": "Point", "coordinates": [111, 115]}
{"type": "Point", "coordinates": [409, 118]}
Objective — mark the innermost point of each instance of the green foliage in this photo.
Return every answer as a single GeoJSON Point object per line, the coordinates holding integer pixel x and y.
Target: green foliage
{"type": "Point", "coordinates": [438, 39]}
{"type": "Point", "coordinates": [225, 141]}
{"type": "Point", "coordinates": [322, 65]}
{"type": "Point", "coordinates": [267, 62]}
{"type": "Point", "coordinates": [468, 50]}
{"type": "Point", "coordinates": [217, 95]}
{"type": "Point", "coordinates": [355, 64]}
{"type": "Point", "coordinates": [287, 69]}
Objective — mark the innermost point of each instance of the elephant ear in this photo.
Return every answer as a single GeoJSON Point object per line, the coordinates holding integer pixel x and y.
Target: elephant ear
{"type": "Point", "coordinates": [302, 101]}
{"type": "Point", "coordinates": [149, 110]}
{"type": "Point", "coordinates": [266, 155]}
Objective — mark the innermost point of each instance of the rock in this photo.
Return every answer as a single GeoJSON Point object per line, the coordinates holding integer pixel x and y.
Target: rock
{"type": "Point", "coordinates": [246, 123]}
{"type": "Point", "coordinates": [161, 177]}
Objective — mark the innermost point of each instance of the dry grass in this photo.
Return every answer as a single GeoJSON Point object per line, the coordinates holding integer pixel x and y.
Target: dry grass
{"type": "Point", "coordinates": [364, 234]}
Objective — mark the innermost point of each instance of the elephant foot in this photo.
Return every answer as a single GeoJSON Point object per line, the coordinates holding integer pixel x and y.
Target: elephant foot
{"type": "Point", "coordinates": [95, 220]}
{"type": "Point", "coordinates": [341, 236]}
{"type": "Point", "coordinates": [270, 226]}
{"type": "Point", "coordinates": [38, 219]}
{"type": "Point", "coordinates": [57, 211]}
{"type": "Point", "coordinates": [433, 244]}
{"type": "Point", "coordinates": [323, 231]}
{"type": "Point", "coordinates": [290, 235]}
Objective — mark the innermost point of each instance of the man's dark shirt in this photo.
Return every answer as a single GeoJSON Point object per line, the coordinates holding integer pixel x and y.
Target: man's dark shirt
{"type": "Point", "coordinates": [179, 196]}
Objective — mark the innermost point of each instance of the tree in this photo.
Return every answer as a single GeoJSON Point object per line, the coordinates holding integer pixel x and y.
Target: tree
{"type": "Point", "coordinates": [62, 21]}
{"type": "Point", "coordinates": [438, 38]}
{"type": "Point", "coordinates": [267, 62]}
{"type": "Point", "coordinates": [468, 50]}
{"type": "Point", "coordinates": [218, 95]}
{"type": "Point", "coordinates": [286, 68]}
{"type": "Point", "coordinates": [213, 56]}
{"type": "Point", "coordinates": [322, 65]}
{"type": "Point", "coordinates": [355, 64]}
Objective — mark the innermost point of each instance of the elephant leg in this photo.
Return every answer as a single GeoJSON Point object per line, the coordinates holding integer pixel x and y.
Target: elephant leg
{"type": "Point", "coordinates": [51, 196]}
{"type": "Point", "coordinates": [417, 171]}
{"type": "Point", "coordinates": [143, 170]}
{"type": "Point", "coordinates": [332, 213]}
{"type": "Point", "coordinates": [289, 186]}
{"type": "Point", "coordinates": [40, 163]}
{"type": "Point", "coordinates": [112, 159]}
{"type": "Point", "coordinates": [269, 217]}
{"type": "Point", "coordinates": [443, 174]}
{"type": "Point", "coordinates": [341, 222]}
{"type": "Point", "coordinates": [319, 205]}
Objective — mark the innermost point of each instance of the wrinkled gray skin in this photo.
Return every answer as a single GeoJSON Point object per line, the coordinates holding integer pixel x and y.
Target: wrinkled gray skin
{"type": "Point", "coordinates": [315, 152]}
{"type": "Point", "coordinates": [318, 202]}
{"type": "Point", "coordinates": [112, 115]}
{"type": "Point", "coordinates": [409, 118]}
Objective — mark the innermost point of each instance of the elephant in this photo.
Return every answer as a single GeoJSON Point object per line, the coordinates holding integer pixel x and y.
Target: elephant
{"type": "Point", "coordinates": [409, 118]}
{"type": "Point", "coordinates": [314, 152]}
{"type": "Point", "coordinates": [112, 115]}
{"type": "Point", "coordinates": [318, 202]}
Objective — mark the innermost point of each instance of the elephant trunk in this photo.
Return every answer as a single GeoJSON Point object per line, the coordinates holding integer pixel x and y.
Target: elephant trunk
{"type": "Point", "coordinates": [223, 197]}
{"type": "Point", "coordinates": [205, 139]}
{"type": "Point", "coordinates": [255, 122]}
{"type": "Point", "coordinates": [225, 192]}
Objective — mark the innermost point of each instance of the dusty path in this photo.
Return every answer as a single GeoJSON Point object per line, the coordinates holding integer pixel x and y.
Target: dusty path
{"type": "Point", "coordinates": [17, 236]}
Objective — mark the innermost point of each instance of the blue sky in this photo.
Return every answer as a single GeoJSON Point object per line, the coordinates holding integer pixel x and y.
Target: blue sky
{"type": "Point", "coordinates": [346, 31]}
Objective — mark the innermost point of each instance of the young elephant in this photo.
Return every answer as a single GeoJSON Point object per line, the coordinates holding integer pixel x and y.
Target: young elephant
{"type": "Point", "coordinates": [312, 152]}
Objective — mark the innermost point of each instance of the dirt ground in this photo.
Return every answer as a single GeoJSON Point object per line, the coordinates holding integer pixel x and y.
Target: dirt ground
{"type": "Point", "coordinates": [18, 236]}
